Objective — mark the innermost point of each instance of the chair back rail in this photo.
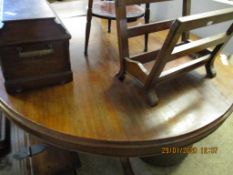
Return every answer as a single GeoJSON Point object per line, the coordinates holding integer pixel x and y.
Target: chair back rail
{"type": "Point", "coordinates": [131, 2]}
{"type": "Point", "coordinates": [149, 28]}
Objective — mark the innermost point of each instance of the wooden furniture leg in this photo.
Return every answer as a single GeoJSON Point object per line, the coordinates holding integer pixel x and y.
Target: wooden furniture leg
{"type": "Point", "coordinates": [186, 12]}
{"type": "Point", "coordinates": [109, 25]}
{"type": "Point", "coordinates": [151, 96]}
{"type": "Point", "coordinates": [88, 25]}
{"type": "Point", "coordinates": [147, 18]}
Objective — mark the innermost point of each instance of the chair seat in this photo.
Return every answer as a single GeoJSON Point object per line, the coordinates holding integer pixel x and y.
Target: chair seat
{"type": "Point", "coordinates": [106, 10]}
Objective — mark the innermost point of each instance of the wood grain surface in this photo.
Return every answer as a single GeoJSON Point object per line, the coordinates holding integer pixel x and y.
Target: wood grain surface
{"type": "Point", "coordinates": [96, 113]}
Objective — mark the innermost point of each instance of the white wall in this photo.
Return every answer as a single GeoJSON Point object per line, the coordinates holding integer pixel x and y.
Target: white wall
{"type": "Point", "coordinates": [173, 9]}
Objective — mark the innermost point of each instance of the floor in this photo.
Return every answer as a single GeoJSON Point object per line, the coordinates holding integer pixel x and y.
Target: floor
{"type": "Point", "coordinates": [201, 164]}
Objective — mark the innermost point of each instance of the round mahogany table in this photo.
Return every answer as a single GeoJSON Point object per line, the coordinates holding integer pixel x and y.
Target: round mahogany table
{"type": "Point", "coordinates": [98, 114]}
{"type": "Point", "coordinates": [106, 10]}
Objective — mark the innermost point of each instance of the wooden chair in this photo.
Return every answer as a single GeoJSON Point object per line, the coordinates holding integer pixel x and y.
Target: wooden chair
{"type": "Point", "coordinates": [197, 51]}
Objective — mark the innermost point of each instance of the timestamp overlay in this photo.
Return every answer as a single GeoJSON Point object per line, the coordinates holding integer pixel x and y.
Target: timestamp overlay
{"type": "Point", "coordinates": [190, 150]}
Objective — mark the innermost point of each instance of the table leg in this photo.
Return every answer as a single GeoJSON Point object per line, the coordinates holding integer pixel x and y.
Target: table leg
{"type": "Point", "coordinates": [109, 25]}
{"type": "Point", "coordinates": [126, 165]}
{"type": "Point", "coordinates": [88, 25]}
{"type": "Point", "coordinates": [147, 18]}
{"type": "Point", "coordinates": [186, 12]}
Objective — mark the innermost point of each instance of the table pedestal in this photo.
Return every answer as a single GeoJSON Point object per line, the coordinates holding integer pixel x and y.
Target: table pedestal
{"type": "Point", "coordinates": [165, 159]}
{"type": "Point", "coordinates": [162, 160]}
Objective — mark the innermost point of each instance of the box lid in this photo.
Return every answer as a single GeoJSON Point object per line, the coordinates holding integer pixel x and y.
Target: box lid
{"type": "Point", "coordinates": [12, 10]}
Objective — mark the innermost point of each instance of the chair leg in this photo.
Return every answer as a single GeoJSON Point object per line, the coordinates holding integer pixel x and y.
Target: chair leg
{"type": "Point", "coordinates": [88, 26]}
{"type": "Point", "coordinates": [146, 18]}
{"type": "Point", "coordinates": [210, 71]}
{"type": "Point", "coordinates": [120, 76]}
{"type": "Point", "coordinates": [210, 64]}
{"type": "Point", "coordinates": [151, 97]}
{"type": "Point", "coordinates": [109, 25]}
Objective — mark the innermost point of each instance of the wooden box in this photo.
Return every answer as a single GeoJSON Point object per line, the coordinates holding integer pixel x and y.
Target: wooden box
{"type": "Point", "coordinates": [34, 46]}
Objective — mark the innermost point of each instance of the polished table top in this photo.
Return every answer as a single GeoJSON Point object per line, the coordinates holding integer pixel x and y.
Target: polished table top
{"type": "Point", "coordinates": [99, 114]}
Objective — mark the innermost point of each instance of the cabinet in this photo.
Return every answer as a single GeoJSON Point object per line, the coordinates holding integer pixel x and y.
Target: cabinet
{"type": "Point", "coordinates": [34, 46]}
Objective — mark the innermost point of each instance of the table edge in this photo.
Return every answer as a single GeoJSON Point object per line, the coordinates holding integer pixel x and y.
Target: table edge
{"type": "Point", "coordinates": [111, 148]}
